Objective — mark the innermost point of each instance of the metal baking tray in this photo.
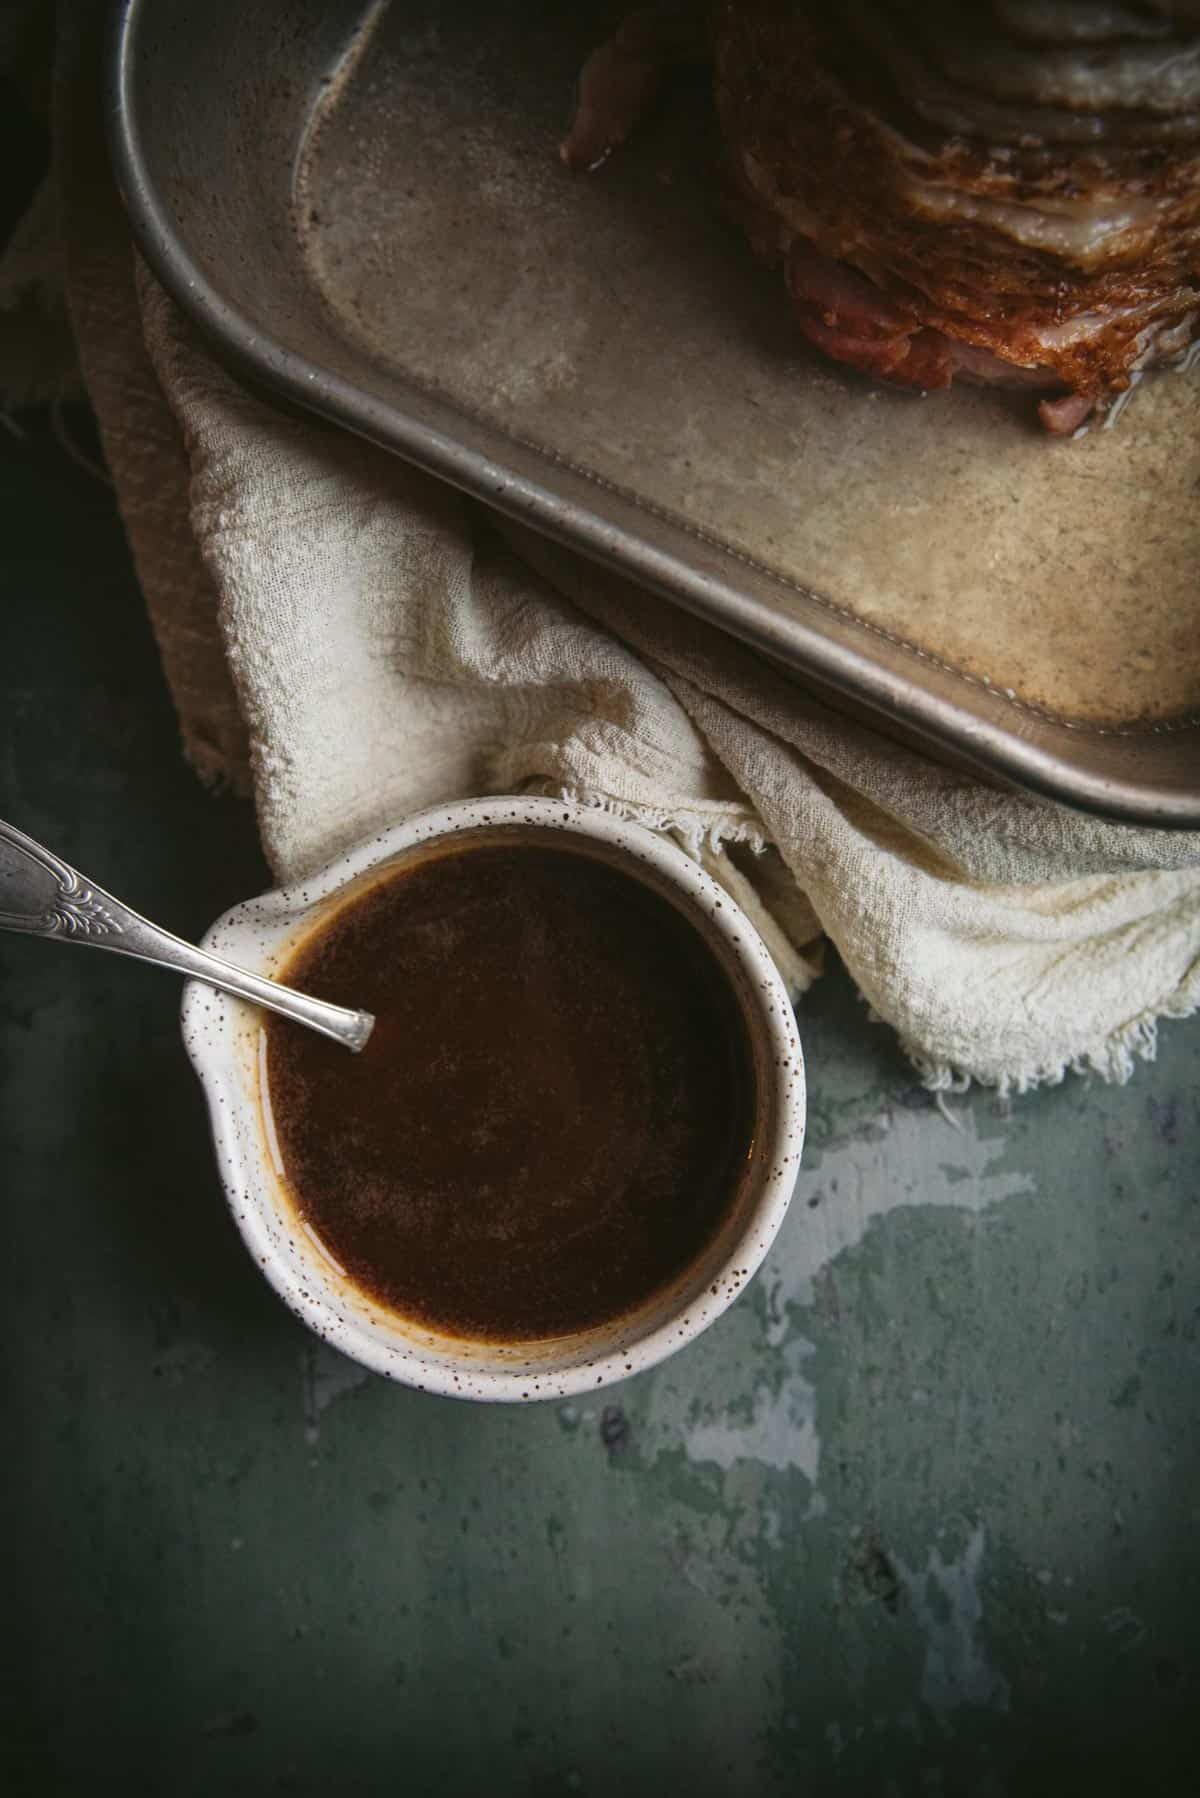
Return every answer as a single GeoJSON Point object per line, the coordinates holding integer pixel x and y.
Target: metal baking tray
{"type": "Point", "coordinates": [363, 209]}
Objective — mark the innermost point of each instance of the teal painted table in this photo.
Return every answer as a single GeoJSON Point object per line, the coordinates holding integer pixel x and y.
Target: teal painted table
{"type": "Point", "coordinates": [918, 1516]}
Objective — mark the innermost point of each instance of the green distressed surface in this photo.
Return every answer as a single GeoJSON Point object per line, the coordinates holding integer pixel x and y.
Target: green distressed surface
{"type": "Point", "coordinates": [918, 1516]}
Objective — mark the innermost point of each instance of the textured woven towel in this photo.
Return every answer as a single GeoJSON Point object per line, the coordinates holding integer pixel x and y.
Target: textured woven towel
{"type": "Point", "coordinates": [391, 646]}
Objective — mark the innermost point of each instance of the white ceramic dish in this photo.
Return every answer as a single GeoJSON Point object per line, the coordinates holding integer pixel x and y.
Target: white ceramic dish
{"type": "Point", "coordinates": [225, 1039]}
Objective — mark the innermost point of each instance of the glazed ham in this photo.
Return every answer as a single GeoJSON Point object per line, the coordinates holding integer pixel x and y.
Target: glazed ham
{"type": "Point", "coordinates": [1004, 192]}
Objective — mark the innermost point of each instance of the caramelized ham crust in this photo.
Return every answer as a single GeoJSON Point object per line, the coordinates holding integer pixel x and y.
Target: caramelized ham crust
{"type": "Point", "coordinates": [1008, 191]}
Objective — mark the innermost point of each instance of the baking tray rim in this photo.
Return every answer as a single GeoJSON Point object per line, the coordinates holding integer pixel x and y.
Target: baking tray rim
{"type": "Point", "coordinates": [1040, 754]}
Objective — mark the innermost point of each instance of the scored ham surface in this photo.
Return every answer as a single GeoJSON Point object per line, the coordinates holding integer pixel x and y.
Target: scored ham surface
{"type": "Point", "coordinates": [1005, 192]}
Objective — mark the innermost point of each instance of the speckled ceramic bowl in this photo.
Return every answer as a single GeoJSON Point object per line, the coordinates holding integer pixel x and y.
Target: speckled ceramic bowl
{"type": "Point", "coordinates": [226, 1041]}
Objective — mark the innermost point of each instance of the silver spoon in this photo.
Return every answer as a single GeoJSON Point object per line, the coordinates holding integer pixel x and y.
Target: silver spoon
{"type": "Point", "coordinates": [43, 896]}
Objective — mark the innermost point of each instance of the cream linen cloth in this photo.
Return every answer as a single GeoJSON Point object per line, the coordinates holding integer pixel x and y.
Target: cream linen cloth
{"type": "Point", "coordinates": [392, 646]}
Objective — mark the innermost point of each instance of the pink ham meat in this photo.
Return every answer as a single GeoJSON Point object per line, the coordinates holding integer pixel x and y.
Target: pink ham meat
{"type": "Point", "coordinates": [621, 78]}
{"type": "Point", "coordinates": [847, 317]}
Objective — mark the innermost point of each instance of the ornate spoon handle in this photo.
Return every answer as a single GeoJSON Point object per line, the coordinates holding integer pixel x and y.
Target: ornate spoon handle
{"type": "Point", "coordinates": [44, 896]}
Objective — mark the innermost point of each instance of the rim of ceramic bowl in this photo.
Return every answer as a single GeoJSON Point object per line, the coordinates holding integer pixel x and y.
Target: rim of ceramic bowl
{"type": "Point", "coordinates": [262, 932]}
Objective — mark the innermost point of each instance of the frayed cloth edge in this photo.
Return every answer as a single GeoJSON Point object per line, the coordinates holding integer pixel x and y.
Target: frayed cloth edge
{"type": "Point", "coordinates": [1114, 1060]}
{"type": "Point", "coordinates": [692, 830]}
